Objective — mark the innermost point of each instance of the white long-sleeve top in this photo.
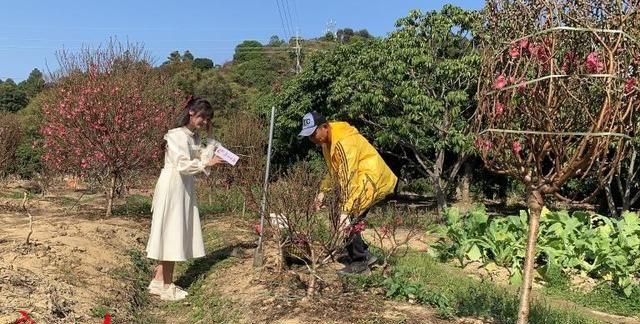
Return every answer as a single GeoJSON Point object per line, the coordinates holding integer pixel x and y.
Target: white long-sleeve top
{"type": "Point", "coordinates": [183, 152]}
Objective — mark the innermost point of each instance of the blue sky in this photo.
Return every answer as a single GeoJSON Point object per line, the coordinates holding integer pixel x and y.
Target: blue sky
{"type": "Point", "coordinates": [33, 30]}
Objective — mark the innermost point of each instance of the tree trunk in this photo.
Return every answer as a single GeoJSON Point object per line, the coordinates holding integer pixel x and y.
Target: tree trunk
{"type": "Point", "coordinates": [626, 200]}
{"type": "Point", "coordinates": [438, 186]}
{"type": "Point", "coordinates": [110, 192]}
{"type": "Point", "coordinates": [312, 287]}
{"type": "Point", "coordinates": [26, 209]}
{"type": "Point", "coordinates": [466, 185]}
{"type": "Point", "coordinates": [610, 202]}
{"type": "Point", "coordinates": [441, 196]}
{"type": "Point", "coordinates": [535, 202]}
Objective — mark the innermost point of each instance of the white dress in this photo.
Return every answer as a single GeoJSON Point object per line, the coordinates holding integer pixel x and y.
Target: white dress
{"type": "Point", "coordinates": [175, 226]}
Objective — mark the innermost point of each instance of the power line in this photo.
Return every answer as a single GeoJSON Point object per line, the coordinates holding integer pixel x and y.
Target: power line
{"type": "Point", "coordinates": [298, 46]}
{"type": "Point", "coordinates": [146, 41]}
{"type": "Point", "coordinates": [287, 15]}
{"type": "Point", "coordinates": [288, 21]}
{"type": "Point", "coordinates": [282, 21]}
{"type": "Point", "coordinates": [295, 11]}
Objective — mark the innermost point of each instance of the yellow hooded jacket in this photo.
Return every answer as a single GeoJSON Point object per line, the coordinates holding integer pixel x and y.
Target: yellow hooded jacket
{"type": "Point", "coordinates": [364, 178]}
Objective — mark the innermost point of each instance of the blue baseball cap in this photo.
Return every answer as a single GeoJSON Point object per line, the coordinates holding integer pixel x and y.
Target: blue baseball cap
{"type": "Point", "coordinates": [310, 122]}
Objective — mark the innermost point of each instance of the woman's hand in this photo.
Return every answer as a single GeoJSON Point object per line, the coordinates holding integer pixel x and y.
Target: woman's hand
{"type": "Point", "coordinates": [215, 160]}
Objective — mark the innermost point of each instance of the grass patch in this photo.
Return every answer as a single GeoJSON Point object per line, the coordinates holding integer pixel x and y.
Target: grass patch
{"type": "Point", "coordinates": [139, 205]}
{"type": "Point", "coordinates": [206, 209]}
{"type": "Point", "coordinates": [470, 297]}
{"type": "Point", "coordinates": [420, 278]}
{"type": "Point", "coordinates": [101, 311]}
{"type": "Point", "coordinates": [205, 303]}
{"type": "Point", "coordinates": [604, 297]}
{"type": "Point", "coordinates": [14, 194]}
{"type": "Point", "coordinates": [126, 307]}
{"type": "Point", "coordinates": [135, 205]}
{"type": "Point", "coordinates": [215, 201]}
{"type": "Point", "coordinates": [67, 201]}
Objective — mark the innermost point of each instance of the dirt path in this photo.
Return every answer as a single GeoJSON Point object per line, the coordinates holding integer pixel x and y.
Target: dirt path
{"type": "Point", "coordinates": [73, 265]}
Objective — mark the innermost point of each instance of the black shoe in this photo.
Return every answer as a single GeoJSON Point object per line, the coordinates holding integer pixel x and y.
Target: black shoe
{"type": "Point", "coordinates": [344, 259]}
{"type": "Point", "coordinates": [371, 260]}
{"type": "Point", "coordinates": [354, 268]}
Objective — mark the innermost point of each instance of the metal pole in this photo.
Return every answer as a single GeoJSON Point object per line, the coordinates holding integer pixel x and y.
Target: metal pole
{"type": "Point", "coordinates": [257, 258]}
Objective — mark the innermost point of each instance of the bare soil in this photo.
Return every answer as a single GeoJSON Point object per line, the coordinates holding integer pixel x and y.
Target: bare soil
{"type": "Point", "coordinates": [71, 263]}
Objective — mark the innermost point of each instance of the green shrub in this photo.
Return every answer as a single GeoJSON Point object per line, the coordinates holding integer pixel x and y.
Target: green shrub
{"type": "Point", "coordinates": [135, 205]}
{"type": "Point", "coordinates": [27, 160]}
{"type": "Point", "coordinates": [11, 133]}
{"type": "Point", "coordinates": [599, 246]}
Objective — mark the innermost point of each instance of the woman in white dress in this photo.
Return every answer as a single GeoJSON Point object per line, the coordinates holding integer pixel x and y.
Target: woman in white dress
{"type": "Point", "coordinates": [175, 227]}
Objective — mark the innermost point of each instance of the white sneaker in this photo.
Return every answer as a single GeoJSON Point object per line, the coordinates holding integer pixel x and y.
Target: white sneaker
{"type": "Point", "coordinates": [173, 293]}
{"type": "Point", "coordinates": [156, 287]}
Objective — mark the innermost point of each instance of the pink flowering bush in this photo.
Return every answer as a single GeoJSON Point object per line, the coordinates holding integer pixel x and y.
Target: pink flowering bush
{"type": "Point", "coordinates": [106, 117]}
{"type": "Point", "coordinates": [302, 233]}
{"type": "Point", "coordinates": [550, 79]}
{"type": "Point", "coordinates": [501, 82]}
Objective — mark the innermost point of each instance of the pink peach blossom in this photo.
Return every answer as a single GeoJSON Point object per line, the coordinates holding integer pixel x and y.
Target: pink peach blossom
{"type": "Point", "coordinates": [500, 82]}
{"type": "Point", "coordinates": [630, 85]}
{"type": "Point", "coordinates": [593, 63]}
{"type": "Point", "coordinates": [524, 43]}
{"type": "Point", "coordinates": [516, 147]}
{"type": "Point", "coordinates": [514, 52]}
{"type": "Point", "coordinates": [499, 108]}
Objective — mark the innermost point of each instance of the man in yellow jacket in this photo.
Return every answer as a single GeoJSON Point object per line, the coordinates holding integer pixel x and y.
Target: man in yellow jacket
{"type": "Point", "coordinates": [360, 174]}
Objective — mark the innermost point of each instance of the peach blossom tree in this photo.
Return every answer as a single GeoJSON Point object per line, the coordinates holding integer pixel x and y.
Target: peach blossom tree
{"type": "Point", "coordinates": [106, 116]}
{"type": "Point", "coordinates": [557, 96]}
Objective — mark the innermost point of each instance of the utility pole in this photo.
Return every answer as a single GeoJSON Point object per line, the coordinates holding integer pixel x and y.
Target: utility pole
{"type": "Point", "coordinates": [298, 48]}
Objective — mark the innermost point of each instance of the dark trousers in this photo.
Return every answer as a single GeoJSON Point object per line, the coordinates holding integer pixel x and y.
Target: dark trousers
{"type": "Point", "coordinates": [356, 247]}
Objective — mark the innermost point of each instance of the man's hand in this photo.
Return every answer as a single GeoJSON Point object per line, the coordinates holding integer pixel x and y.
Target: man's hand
{"type": "Point", "coordinates": [344, 220]}
{"type": "Point", "coordinates": [344, 226]}
{"type": "Point", "coordinates": [317, 203]}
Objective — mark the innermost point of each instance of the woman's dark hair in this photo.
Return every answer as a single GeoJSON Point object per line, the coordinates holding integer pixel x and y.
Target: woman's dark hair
{"type": "Point", "coordinates": [197, 105]}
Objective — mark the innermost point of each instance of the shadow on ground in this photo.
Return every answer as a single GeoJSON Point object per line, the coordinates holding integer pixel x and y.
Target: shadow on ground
{"type": "Point", "coordinates": [202, 266]}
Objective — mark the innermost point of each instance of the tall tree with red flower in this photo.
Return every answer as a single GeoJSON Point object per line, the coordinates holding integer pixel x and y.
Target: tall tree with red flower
{"type": "Point", "coordinates": [106, 116]}
{"type": "Point", "coordinates": [557, 96]}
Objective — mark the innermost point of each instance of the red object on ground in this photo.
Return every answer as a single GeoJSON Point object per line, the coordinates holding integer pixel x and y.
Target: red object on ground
{"type": "Point", "coordinates": [25, 318]}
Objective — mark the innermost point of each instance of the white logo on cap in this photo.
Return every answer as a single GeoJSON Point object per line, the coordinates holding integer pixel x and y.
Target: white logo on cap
{"type": "Point", "coordinates": [307, 121]}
